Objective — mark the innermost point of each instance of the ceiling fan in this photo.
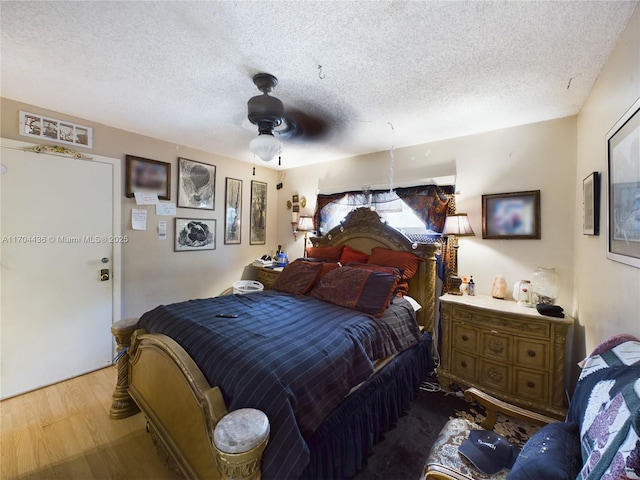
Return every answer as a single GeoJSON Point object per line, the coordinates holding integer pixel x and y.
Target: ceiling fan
{"type": "Point", "coordinates": [268, 113]}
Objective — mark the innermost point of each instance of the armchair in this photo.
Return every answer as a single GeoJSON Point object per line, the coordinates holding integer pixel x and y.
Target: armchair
{"type": "Point", "coordinates": [599, 438]}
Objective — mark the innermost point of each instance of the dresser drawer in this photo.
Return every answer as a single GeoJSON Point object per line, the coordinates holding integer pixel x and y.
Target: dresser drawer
{"type": "Point", "coordinates": [463, 364]}
{"type": "Point", "coordinates": [531, 385]}
{"type": "Point", "coordinates": [464, 337]}
{"type": "Point", "coordinates": [496, 375]}
{"type": "Point", "coordinates": [531, 354]}
{"type": "Point", "coordinates": [267, 277]}
{"type": "Point", "coordinates": [496, 346]}
{"type": "Point", "coordinates": [509, 325]}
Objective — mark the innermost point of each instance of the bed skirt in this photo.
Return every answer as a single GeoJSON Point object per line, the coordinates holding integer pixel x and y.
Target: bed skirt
{"type": "Point", "coordinates": [340, 446]}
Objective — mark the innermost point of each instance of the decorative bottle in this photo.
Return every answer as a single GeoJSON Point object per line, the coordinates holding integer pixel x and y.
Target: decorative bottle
{"type": "Point", "coordinates": [471, 288]}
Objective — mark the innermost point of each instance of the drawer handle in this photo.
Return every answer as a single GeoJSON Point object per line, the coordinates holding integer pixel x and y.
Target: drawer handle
{"type": "Point", "coordinates": [464, 364]}
{"type": "Point", "coordinates": [530, 384]}
{"type": "Point", "coordinates": [496, 346]}
{"type": "Point", "coordinates": [494, 374]}
{"type": "Point", "coordinates": [464, 338]}
{"type": "Point", "coordinates": [531, 353]}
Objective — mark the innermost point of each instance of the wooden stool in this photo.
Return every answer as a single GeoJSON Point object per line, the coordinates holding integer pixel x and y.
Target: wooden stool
{"type": "Point", "coordinates": [239, 440]}
{"type": "Point", "coordinates": [123, 405]}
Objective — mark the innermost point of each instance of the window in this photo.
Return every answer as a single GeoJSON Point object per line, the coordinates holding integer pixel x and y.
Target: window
{"type": "Point", "coordinates": [415, 211]}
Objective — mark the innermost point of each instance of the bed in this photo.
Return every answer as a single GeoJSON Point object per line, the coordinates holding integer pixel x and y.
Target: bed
{"type": "Point", "coordinates": [322, 426]}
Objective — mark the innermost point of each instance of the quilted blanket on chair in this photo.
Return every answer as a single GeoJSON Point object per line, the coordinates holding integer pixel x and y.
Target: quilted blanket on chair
{"type": "Point", "coordinates": [606, 405]}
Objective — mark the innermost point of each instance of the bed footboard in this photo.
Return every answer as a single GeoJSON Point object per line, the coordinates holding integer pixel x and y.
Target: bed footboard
{"type": "Point", "coordinates": [181, 408]}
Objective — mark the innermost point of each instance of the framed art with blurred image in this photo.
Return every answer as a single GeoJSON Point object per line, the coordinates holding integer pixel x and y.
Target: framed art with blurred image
{"type": "Point", "coordinates": [511, 215]}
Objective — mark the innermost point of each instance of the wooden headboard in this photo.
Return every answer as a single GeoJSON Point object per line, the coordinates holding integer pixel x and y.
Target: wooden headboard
{"type": "Point", "coordinates": [363, 230]}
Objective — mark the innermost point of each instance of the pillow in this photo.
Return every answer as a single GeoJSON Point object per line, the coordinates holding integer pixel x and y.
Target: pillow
{"type": "Point", "coordinates": [298, 277]}
{"type": "Point", "coordinates": [326, 268]}
{"type": "Point", "coordinates": [405, 261]}
{"type": "Point", "coordinates": [351, 255]}
{"type": "Point", "coordinates": [403, 286]}
{"type": "Point", "coordinates": [375, 268]}
{"type": "Point", "coordinates": [552, 452]}
{"type": "Point", "coordinates": [364, 290]}
{"type": "Point", "coordinates": [413, 302]}
{"type": "Point", "coordinates": [326, 254]}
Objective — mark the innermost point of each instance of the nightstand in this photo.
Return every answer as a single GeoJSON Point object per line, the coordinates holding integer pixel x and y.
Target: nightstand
{"type": "Point", "coordinates": [506, 350]}
{"type": "Point", "coordinates": [267, 276]}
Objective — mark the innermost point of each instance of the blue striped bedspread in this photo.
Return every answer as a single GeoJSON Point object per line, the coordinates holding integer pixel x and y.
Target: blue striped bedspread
{"type": "Point", "coordinates": [293, 357]}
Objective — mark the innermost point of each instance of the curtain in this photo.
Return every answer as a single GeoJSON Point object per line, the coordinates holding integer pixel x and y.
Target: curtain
{"type": "Point", "coordinates": [428, 202]}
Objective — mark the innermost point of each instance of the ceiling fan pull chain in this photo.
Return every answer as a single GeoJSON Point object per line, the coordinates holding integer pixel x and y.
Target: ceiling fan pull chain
{"type": "Point", "coordinates": [280, 161]}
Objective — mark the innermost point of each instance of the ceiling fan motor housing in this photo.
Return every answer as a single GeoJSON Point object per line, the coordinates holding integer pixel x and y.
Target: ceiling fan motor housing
{"type": "Point", "coordinates": [264, 110]}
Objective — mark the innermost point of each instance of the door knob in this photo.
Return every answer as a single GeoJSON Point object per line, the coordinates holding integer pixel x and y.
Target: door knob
{"type": "Point", "coordinates": [104, 260]}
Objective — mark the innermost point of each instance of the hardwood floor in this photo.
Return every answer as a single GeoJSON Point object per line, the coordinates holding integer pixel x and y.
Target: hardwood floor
{"type": "Point", "coordinates": [64, 432]}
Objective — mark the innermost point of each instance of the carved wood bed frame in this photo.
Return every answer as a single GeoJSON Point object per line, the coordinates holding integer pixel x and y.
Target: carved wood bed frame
{"type": "Point", "coordinates": [157, 376]}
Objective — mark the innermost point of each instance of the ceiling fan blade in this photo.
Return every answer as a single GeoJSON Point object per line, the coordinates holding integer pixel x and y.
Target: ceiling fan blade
{"type": "Point", "coordinates": [300, 125]}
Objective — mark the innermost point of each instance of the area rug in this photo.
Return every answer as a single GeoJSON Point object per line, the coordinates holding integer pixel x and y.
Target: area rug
{"type": "Point", "coordinates": [403, 451]}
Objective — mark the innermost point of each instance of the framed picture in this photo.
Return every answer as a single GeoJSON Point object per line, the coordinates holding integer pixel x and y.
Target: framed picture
{"type": "Point", "coordinates": [623, 189]}
{"type": "Point", "coordinates": [148, 176]}
{"type": "Point", "coordinates": [233, 211]}
{"type": "Point", "coordinates": [511, 215]}
{"type": "Point", "coordinates": [591, 204]}
{"type": "Point", "coordinates": [196, 184]}
{"type": "Point", "coordinates": [59, 131]}
{"type": "Point", "coordinates": [294, 198]}
{"type": "Point", "coordinates": [195, 234]}
{"type": "Point", "coordinates": [258, 220]}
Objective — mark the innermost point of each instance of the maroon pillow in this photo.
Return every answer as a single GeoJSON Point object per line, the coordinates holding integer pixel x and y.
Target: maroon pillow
{"type": "Point", "coordinates": [405, 261]}
{"type": "Point", "coordinates": [326, 268]}
{"type": "Point", "coordinates": [402, 288]}
{"type": "Point", "coordinates": [298, 277]}
{"type": "Point", "coordinates": [326, 254]}
{"type": "Point", "coordinates": [365, 290]}
{"type": "Point", "coordinates": [351, 255]}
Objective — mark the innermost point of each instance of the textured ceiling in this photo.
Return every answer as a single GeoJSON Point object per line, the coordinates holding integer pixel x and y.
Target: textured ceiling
{"type": "Point", "coordinates": [380, 74]}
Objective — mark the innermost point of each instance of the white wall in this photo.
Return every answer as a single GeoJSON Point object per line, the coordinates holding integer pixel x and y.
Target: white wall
{"type": "Point", "coordinates": [607, 293]}
{"type": "Point", "coordinates": [152, 273]}
{"type": "Point", "coordinates": [540, 156]}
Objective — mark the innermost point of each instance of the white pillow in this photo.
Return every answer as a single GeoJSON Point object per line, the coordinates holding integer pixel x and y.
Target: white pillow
{"type": "Point", "coordinates": [416, 306]}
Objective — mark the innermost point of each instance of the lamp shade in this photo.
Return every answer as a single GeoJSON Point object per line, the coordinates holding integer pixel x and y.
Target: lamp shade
{"type": "Point", "coordinates": [458, 224]}
{"type": "Point", "coordinates": [305, 223]}
{"type": "Point", "coordinates": [266, 146]}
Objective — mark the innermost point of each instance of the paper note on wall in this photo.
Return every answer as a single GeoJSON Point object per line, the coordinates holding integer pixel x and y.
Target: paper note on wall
{"type": "Point", "coordinates": [138, 219]}
{"type": "Point", "coordinates": [143, 198]}
{"type": "Point", "coordinates": [165, 209]}
{"type": "Point", "coordinates": [162, 230]}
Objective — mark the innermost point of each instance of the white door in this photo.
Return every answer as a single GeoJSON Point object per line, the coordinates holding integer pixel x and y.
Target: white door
{"type": "Point", "coordinates": [57, 234]}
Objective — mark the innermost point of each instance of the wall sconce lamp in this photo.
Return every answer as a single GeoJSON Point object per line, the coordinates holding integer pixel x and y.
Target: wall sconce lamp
{"type": "Point", "coordinates": [305, 224]}
{"type": "Point", "coordinates": [456, 225]}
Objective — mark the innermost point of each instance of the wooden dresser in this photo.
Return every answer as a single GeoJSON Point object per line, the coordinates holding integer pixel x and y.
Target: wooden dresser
{"type": "Point", "coordinates": [267, 276]}
{"type": "Point", "coordinates": [508, 351]}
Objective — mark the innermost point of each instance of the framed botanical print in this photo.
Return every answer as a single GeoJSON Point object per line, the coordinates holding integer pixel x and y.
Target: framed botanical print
{"type": "Point", "coordinates": [196, 184]}
{"type": "Point", "coordinates": [233, 212]}
{"type": "Point", "coordinates": [194, 234]}
{"type": "Point", "coordinates": [148, 176]}
{"type": "Point", "coordinates": [258, 220]}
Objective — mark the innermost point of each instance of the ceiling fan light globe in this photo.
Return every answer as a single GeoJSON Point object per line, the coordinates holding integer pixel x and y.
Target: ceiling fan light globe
{"type": "Point", "coordinates": [266, 146]}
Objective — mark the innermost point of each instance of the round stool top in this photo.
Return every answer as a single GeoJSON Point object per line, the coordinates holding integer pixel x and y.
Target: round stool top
{"type": "Point", "coordinates": [241, 430]}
